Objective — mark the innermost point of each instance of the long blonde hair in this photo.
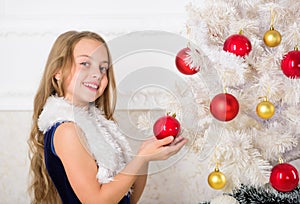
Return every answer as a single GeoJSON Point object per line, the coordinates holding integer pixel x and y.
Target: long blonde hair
{"type": "Point", "coordinates": [61, 58]}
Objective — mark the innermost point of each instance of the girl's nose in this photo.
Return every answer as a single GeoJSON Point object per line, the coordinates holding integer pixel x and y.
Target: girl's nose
{"type": "Point", "coordinates": [96, 73]}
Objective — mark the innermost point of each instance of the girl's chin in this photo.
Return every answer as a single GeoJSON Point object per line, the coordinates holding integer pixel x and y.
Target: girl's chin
{"type": "Point", "coordinates": [93, 99]}
{"type": "Point", "coordinates": [87, 101]}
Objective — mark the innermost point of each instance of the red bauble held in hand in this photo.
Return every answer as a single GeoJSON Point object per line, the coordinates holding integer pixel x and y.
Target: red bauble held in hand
{"type": "Point", "coordinates": [166, 126]}
{"type": "Point", "coordinates": [181, 64]}
{"type": "Point", "coordinates": [290, 64]}
{"type": "Point", "coordinates": [224, 107]}
{"type": "Point", "coordinates": [284, 177]}
{"type": "Point", "coordinates": [237, 44]}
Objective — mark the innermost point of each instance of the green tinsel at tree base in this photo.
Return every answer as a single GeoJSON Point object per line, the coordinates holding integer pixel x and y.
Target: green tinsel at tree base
{"type": "Point", "coordinates": [264, 195]}
{"type": "Point", "coordinates": [249, 194]}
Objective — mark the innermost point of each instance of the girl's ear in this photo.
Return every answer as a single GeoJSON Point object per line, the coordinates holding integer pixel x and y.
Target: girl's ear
{"type": "Point", "coordinates": [57, 76]}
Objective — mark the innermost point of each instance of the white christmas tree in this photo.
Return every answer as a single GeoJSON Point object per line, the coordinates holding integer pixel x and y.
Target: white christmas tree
{"type": "Point", "coordinates": [248, 146]}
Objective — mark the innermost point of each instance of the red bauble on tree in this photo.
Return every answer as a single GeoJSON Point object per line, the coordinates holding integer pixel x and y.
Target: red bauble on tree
{"type": "Point", "coordinates": [224, 107]}
{"type": "Point", "coordinates": [290, 64]}
{"type": "Point", "coordinates": [166, 126]}
{"type": "Point", "coordinates": [237, 44]}
{"type": "Point", "coordinates": [284, 177]}
{"type": "Point", "coordinates": [181, 65]}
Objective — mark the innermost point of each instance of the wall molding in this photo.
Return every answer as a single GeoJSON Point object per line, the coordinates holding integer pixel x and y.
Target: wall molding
{"type": "Point", "coordinates": [110, 17]}
{"type": "Point", "coordinates": [106, 24]}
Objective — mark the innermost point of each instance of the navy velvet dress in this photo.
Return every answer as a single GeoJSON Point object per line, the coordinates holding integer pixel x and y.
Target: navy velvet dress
{"type": "Point", "coordinates": [57, 172]}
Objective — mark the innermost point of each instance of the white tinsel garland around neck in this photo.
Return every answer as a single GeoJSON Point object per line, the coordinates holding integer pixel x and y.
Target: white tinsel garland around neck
{"type": "Point", "coordinates": [103, 138]}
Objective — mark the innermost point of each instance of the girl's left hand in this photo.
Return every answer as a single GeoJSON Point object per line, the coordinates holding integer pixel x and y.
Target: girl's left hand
{"type": "Point", "coordinates": [154, 149]}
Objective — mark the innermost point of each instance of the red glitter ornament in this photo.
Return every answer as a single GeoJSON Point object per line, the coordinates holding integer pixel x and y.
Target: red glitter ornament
{"type": "Point", "coordinates": [181, 64]}
{"type": "Point", "coordinates": [237, 44]}
{"type": "Point", "coordinates": [284, 177]}
{"type": "Point", "coordinates": [166, 126]}
{"type": "Point", "coordinates": [290, 64]}
{"type": "Point", "coordinates": [224, 107]}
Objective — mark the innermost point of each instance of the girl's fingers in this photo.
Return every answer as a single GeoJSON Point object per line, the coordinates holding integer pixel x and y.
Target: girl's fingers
{"type": "Point", "coordinates": [177, 140]}
{"type": "Point", "coordinates": [163, 148]}
{"type": "Point", "coordinates": [149, 141]}
{"type": "Point", "coordinates": [165, 141]}
{"type": "Point", "coordinates": [177, 145]}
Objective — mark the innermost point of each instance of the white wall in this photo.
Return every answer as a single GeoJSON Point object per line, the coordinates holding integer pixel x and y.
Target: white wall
{"type": "Point", "coordinates": [27, 31]}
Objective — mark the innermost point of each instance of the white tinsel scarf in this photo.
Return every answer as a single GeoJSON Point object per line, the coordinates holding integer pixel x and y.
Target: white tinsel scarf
{"type": "Point", "coordinates": [102, 137]}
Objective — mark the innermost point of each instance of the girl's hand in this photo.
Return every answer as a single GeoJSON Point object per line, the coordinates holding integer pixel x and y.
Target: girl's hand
{"type": "Point", "coordinates": [154, 149]}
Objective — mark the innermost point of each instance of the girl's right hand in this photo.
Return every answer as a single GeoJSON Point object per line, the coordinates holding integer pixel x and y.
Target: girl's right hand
{"type": "Point", "coordinates": [154, 149]}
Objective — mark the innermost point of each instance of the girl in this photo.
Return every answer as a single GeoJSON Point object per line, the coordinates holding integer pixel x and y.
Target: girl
{"type": "Point", "coordinates": [78, 155]}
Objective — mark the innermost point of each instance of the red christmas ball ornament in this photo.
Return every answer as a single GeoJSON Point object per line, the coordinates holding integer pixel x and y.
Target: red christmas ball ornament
{"type": "Point", "coordinates": [181, 64]}
{"type": "Point", "coordinates": [290, 64]}
{"type": "Point", "coordinates": [237, 44]}
{"type": "Point", "coordinates": [284, 177]}
{"type": "Point", "coordinates": [166, 126]}
{"type": "Point", "coordinates": [224, 107]}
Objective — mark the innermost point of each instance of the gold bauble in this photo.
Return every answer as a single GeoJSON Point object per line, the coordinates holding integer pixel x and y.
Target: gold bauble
{"type": "Point", "coordinates": [272, 37]}
{"type": "Point", "coordinates": [265, 109]}
{"type": "Point", "coordinates": [216, 179]}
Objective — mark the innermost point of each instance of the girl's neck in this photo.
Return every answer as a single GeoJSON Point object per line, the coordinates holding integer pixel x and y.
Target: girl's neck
{"type": "Point", "coordinates": [84, 106]}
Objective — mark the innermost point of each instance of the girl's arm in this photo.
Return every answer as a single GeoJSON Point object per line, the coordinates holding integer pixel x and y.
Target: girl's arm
{"type": "Point", "coordinates": [81, 167]}
{"type": "Point", "coordinates": [139, 184]}
{"type": "Point", "coordinates": [138, 188]}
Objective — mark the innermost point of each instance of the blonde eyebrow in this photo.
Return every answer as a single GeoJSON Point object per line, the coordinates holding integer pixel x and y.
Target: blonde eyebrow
{"type": "Point", "coordinates": [104, 61]}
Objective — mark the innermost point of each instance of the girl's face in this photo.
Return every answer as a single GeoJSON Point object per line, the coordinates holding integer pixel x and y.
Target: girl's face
{"type": "Point", "coordinates": [88, 78]}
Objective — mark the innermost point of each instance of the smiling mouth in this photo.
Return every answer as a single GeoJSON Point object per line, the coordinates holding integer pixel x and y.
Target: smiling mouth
{"type": "Point", "coordinates": [92, 86]}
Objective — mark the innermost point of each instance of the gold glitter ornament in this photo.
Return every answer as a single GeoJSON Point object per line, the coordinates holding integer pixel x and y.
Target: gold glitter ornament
{"type": "Point", "coordinates": [272, 37]}
{"type": "Point", "coordinates": [216, 179]}
{"type": "Point", "coordinates": [265, 109]}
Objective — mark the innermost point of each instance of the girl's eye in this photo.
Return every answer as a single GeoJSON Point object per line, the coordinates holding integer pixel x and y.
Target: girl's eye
{"type": "Point", "coordinates": [85, 64]}
{"type": "Point", "coordinates": [103, 70]}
